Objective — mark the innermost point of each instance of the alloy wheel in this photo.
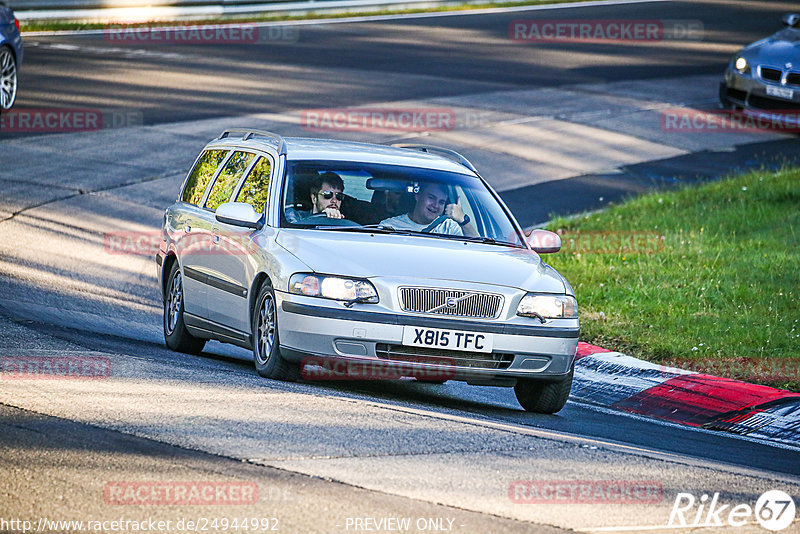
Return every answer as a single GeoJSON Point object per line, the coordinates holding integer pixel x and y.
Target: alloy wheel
{"type": "Point", "coordinates": [8, 78]}
{"type": "Point", "coordinates": [266, 328]}
{"type": "Point", "coordinates": [174, 302]}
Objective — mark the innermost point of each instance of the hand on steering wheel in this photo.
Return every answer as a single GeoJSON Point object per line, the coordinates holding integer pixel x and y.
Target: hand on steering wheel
{"type": "Point", "coordinates": [327, 213]}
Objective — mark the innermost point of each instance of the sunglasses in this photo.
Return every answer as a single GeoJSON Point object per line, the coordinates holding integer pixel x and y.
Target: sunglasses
{"type": "Point", "coordinates": [327, 195]}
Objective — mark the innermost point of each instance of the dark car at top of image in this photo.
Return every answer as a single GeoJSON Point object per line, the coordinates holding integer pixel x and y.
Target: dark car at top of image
{"type": "Point", "coordinates": [10, 56]}
{"type": "Point", "coordinates": [765, 75]}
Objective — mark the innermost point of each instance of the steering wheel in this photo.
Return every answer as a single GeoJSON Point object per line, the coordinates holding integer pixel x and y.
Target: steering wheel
{"type": "Point", "coordinates": [320, 218]}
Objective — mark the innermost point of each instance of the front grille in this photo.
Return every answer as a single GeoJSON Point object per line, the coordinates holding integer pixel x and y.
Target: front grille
{"type": "Point", "coordinates": [762, 102]}
{"type": "Point", "coordinates": [770, 75]}
{"type": "Point", "coordinates": [450, 358]}
{"type": "Point", "coordinates": [793, 78]}
{"type": "Point", "coordinates": [464, 303]}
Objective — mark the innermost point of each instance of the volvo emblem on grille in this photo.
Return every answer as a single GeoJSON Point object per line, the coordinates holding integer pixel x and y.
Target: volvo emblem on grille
{"type": "Point", "coordinates": [451, 302]}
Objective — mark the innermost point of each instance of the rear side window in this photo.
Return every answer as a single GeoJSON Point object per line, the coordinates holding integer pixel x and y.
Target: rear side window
{"type": "Point", "coordinates": [228, 178]}
{"type": "Point", "coordinates": [256, 187]}
{"type": "Point", "coordinates": [202, 173]}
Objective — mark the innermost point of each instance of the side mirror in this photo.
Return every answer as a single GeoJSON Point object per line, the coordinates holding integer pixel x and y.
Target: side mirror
{"type": "Point", "coordinates": [791, 19]}
{"type": "Point", "coordinates": [544, 241]}
{"type": "Point", "coordinates": [239, 214]}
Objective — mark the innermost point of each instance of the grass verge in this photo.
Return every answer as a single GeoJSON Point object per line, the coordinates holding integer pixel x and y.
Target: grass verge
{"type": "Point", "coordinates": [67, 25]}
{"type": "Point", "coordinates": [705, 278]}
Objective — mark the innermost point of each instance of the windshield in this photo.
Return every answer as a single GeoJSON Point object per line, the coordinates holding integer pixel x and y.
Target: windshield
{"type": "Point", "coordinates": [395, 199]}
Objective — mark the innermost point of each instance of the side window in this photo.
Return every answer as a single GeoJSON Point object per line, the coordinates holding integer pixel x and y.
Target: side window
{"type": "Point", "coordinates": [256, 187]}
{"type": "Point", "coordinates": [202, 173]}
{"type": "Point", "coordinates": [228, 178]}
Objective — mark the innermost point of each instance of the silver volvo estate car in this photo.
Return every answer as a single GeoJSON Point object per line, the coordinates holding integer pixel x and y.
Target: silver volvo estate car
{"type": "Point", "coordinates": [340, 260]}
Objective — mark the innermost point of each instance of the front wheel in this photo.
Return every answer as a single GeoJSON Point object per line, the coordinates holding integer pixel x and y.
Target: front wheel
{"type": "Point", "coordinates": [8, 78]}
{"type": "Point", "coordinates": [175, 334]}
{"type": "Point", "coordinates": [266, 347]}
{"type": "Point", "coordinates": [543, 397]}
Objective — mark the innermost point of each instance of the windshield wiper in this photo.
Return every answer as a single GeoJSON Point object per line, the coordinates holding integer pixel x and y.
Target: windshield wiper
{"type": "Point", "coordinates": [479, 239]}
{"type": "Point", "coordinates": [370, 228]}
{"type": "Point", "coordinates": [384, 229]}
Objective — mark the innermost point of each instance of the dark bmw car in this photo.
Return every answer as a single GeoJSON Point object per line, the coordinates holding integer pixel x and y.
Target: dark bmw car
{"type": "Point", "coordinates": [765, 75]}
{"type": "Point", "coordinates": [10, 56]}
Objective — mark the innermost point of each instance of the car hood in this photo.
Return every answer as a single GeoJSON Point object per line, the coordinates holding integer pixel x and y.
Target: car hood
{"type": "Point", "coordinates": [778, 49]}
{"type": "Point", "coordinates": [365, 255]}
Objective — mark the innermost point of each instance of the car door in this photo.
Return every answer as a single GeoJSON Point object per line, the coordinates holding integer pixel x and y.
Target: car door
{"type": "Point", "coordinates": [235, 262]}
{"type": "Point", "coordinates": [191, 227]}
{"type": "Point", "coordinates": [223, 292]}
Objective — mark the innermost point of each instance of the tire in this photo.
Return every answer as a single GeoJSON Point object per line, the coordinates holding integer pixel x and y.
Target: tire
{"type": "Point", "coordinates": [543, 397]}
{"type": "Point", "coordinates": [266, 345]}
{"type": "Point", "coordinates": [175, 334]}
{"type": "Point", "coordinates": [8, 78]}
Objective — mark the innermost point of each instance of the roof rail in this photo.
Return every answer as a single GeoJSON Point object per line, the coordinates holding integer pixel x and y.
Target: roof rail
{"type": "Point", "coordinates": [247, 133]}
{"type": "Point", "coordinates": [446, 152]}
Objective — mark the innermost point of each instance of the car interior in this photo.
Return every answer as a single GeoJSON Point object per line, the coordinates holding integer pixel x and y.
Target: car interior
{"type": "Point", "coordinates": [388, 198]}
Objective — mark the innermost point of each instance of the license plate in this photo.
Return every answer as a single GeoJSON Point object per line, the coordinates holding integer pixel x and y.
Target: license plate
{"type": "Point", "coordinates": [780, 92]}
{"type": "Point", "coordinates": [438, 338]}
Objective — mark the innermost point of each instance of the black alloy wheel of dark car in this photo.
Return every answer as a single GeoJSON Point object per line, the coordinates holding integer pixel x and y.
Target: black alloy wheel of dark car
{"type": "Point", "coordinates": [543, 397]}
{"type": "Point", "coordinates": [175, 334]}
{"type": "Point", "coordinates": [269, 361]}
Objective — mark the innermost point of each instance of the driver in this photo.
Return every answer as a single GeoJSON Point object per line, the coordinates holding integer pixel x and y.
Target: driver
{"type": "Point", "coordinates": [431, 203]}
{"type": "Point", "coordinates": [327, 193]}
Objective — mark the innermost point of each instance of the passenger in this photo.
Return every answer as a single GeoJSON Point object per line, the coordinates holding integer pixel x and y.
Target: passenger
{"type": "Point", "coordinates": [327, 193]}
{"type": "Point", "coordinates": [431, 203]}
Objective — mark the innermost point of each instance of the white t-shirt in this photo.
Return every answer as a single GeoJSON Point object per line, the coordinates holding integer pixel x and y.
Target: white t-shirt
{"type": "Point", "coordinates": [404, 222]}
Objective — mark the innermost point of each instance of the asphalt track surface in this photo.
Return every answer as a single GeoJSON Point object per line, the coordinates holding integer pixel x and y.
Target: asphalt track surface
{"type": "Point", "coordinates": [347, 64]}
{"type": "Point", "coordinates": [339, 450]}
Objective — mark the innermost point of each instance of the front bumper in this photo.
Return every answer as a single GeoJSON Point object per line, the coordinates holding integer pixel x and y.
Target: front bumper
{"type": "Point", "coordinates": [309, 328]}
{"type": "Point", "coordinates": [750, 92]}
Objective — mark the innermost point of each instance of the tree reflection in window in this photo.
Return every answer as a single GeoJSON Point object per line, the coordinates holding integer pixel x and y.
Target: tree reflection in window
{"type": "Point", "coordinates": [202, 173]}
{"type": "Point", "coordinates": [256, 187]}
{"type": "Point", "coordinates": [228, 178]}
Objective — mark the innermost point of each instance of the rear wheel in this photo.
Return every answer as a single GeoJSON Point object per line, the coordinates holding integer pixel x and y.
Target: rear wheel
{"type": "Point", "coordinates": [8, 78]}
{"type": "Point", "coordinates": [543, 397]}
{"type": "Point", "coordinates": [175, 334]}
{"type": "Point", "coordinates": [266, 346]}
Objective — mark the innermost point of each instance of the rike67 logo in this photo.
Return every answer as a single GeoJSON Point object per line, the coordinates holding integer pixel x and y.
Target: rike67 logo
{"type": "Point", "coordinates": [774, 510]}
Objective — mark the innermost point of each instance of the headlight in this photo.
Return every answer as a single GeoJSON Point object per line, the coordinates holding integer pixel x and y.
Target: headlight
{"type": "Point", "coordinates": [548, 306]}
{"type": "Point", "coordinates": [741, 65]}
{"type": "Point", "coordinates": [333, 287]}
